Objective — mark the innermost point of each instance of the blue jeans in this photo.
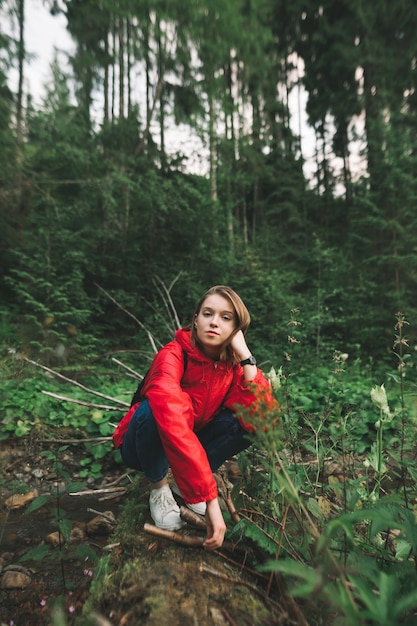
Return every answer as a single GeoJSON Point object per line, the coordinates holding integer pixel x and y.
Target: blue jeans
{"type": "Point", "coordinates": [142, 449]}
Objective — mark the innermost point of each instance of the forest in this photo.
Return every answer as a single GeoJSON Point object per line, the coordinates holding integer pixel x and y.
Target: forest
{"type": "Point", "coordinates": [270, 146]}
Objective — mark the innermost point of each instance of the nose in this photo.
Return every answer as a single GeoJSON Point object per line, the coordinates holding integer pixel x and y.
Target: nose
{"type": "Point", "coordinates": [213, 321]}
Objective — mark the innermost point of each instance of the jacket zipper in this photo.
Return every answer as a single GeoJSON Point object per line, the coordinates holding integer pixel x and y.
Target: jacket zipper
{"type": "Point", "coordinates": [210, 386]}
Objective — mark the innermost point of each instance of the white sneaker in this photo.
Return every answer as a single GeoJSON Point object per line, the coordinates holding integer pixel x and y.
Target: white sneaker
{"type": "Point", "coordinates": [199, 507]}
{"type": "Point", "coordinates": [165, 511]}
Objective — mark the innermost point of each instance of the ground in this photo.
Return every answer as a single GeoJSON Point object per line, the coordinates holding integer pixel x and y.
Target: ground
{"type": "Point", "coordinates": [117, 575]}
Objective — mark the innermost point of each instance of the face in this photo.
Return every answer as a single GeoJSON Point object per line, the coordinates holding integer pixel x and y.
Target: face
{"type": "Point", "coordinates": [215, 323]}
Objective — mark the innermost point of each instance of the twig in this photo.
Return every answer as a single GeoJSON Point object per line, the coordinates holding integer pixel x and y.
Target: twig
{"type": "Point", "coordinates": [284, 521]}
{"type": "Point", "coordinates": [91, 405]}
{"type": "Point", "coordinates": [119, 479]}
{"type": "Point", "coordinates": [167, 298]}
{"type": "Point", "coordinates": [148, 332]}
{"type": "Point", "coordinates": [227, 498]}
{"type": "Point", "coordinates": [237, 581]}
{"type": "Point", "coordinates": [129, 369]}
{"type": "Point", "coordinates": [94, 492]}
{"type": "Point", "coordinates": [228, 617]}
{"type": "Point", "coordinates": [89, 440]}
{"type": "Point", "coordinates": [106, 517]}
{"type": "Point", "coordinates": [192, 518]}
{"type": "Point", "coordinates": [74, 382]}
{"type": "Point", "coordinates": [292, 607]}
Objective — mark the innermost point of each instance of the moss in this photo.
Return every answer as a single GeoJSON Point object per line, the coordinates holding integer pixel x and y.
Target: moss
{"type": "Point", "coordinates": [148, 580]}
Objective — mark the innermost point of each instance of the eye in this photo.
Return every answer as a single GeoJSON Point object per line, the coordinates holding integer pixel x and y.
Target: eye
{"type": "Point", "coordinates": [206, 313]}
{"type": "Point", "coordinates": [227, 318]}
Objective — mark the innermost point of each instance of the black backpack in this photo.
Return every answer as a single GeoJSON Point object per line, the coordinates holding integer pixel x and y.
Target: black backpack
{"type": "Point", "coordinates": [137, 396]}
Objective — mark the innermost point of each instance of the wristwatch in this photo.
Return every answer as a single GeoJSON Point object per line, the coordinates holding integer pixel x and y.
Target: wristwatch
{"type": "Point", "coordinates": [249, 361]}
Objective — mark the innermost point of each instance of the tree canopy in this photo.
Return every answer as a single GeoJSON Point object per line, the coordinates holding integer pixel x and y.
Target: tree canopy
{"type": "Point", "coordinates": [96, 187]}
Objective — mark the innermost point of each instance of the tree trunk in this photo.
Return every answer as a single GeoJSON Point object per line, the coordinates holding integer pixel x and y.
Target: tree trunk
{"type": "Point", "coordinates": [121, 68]}
{"type": "Point", "coordinates": [21, 59]}
{"type": "Point", "coordinates": [213, 150]}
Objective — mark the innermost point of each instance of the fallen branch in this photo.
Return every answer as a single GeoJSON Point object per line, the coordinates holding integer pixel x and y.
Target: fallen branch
{"type": "Point", "coordinates": [88, 440]}
{"type": "Point", "coordinates": [109, 518]}
{"type": "Point", "coordinates": [192, 518]}
{"type": "Point", "coordinates": [129, 369]}
{"type": "Point", "coordinates": [119, 479]}
{"type": "Point", "coordinates": [95, 492]}
{"type": "Point", "coordinates": [74, 382]}
{"type": "Point", "coordinates": [90, 405]}
{"type": "Point", "coordinates": [172, 535]}
{"type": "Point", "coordinates": [186, 540]}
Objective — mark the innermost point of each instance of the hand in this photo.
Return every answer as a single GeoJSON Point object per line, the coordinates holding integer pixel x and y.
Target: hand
{"type": "Point", "coordinates": [216, 527]}
{"type": "Point", "coordinates": [239, 346]}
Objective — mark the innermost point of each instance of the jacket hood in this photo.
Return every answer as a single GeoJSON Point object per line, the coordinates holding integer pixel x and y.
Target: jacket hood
{"type": "Point", "coordinates": [183, 336]}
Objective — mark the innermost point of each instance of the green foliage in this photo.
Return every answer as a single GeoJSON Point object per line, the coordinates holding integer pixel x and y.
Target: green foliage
{"type": "Point", "coordinates": [331, 510]}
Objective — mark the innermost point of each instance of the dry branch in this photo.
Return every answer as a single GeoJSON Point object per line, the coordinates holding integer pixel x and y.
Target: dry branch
{"type": "Point", "coordinates": [192, 518]}
{"type": "Point", "coordinates": [109, 518]}
{"type": "Point", "coordinates": [129, 369]}
{"type": "Point", "coordinates": [166, 298]}
{"type": "Point", "coordinates": [172, 535]}
{"type": "Point", "coordinates": [141, 324]}
{"type": "Point", "coordinates": [88, 440]}
{"type": "Point", "coordinates": [186, 540]}
{"type": "Point", "coordinates": [75, 382]}
{"type": "Point", "coordinates": [95, 492]}
{"type": "Point", "coordinates": [225, 493]}
{"type": "Point", "coordinates": [91, 405]}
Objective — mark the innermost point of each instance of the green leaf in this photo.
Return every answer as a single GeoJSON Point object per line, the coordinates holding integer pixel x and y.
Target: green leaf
{"type": "Point", "coordinates": [36, 554]}
{"type": "Point", "coordinates": [309, 579]}
{"type": "Point", "coordinates": [36, 504]}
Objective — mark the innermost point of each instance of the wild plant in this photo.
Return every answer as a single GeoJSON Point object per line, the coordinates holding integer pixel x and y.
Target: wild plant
{"type": "Point", "coordinates": [323, 511]}
{"type": "Point", "coordinates": [63, 485]}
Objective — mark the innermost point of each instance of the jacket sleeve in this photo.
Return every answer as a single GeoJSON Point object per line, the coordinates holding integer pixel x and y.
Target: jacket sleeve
{"type": "Point", "coordinates": [173, 412]}
{"type": "Point", "coordinates": [255, 395]}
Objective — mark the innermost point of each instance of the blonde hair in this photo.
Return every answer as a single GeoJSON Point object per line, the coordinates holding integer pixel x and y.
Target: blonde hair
{"type": "Point", "coordinates": [242, 317]}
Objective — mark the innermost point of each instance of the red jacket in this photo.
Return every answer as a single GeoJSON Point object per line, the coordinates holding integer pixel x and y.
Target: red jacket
{"type": "Point", "coordinates": [183, 402]}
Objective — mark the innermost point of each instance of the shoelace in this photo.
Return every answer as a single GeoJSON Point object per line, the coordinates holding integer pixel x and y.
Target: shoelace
{"type": "Point", "coordinates": [164, 501]}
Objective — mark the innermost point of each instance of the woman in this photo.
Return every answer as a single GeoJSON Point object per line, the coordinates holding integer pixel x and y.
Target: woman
{"type": "Point", "coordinates": [186, 419]}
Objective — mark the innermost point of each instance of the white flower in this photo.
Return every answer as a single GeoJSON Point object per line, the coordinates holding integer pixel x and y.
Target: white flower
{"type": "Point", "coordinates": [274, 378]}
{"type": "Point", "coordinates": [379, 398]}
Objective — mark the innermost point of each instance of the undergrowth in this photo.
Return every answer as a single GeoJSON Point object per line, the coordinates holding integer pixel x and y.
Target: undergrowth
{"type": "Point", "coordinates": [327, 492]}
{"type": "Point", "coordinates": [329, 497]}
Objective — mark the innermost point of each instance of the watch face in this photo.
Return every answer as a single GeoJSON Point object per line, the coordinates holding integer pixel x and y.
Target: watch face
{"type": "Point", "coordinates": [249, 361]}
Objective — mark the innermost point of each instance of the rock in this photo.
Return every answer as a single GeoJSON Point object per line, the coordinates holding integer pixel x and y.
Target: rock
{"type": "Point", "coordinates": [101, 525]}
{"type": "Point", "coordinates": [19, 500]}
{"type": "Point", "coordinates": [77, 534]}
{"type": "Point", "coordinates": [55, 539]}
{"type": "Point", "coordinates": [15, 580]}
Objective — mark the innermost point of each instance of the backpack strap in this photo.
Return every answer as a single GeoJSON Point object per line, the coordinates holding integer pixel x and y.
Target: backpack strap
{"type": "Point", "coordinates": [137, 396]}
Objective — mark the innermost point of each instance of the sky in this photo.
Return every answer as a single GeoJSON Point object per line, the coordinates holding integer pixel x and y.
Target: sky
{"type": "Point", "coordinates": [43, 33]}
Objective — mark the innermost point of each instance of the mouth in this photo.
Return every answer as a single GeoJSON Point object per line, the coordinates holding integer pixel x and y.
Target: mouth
{"type": "Point", "coordinates": [212, 333]}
